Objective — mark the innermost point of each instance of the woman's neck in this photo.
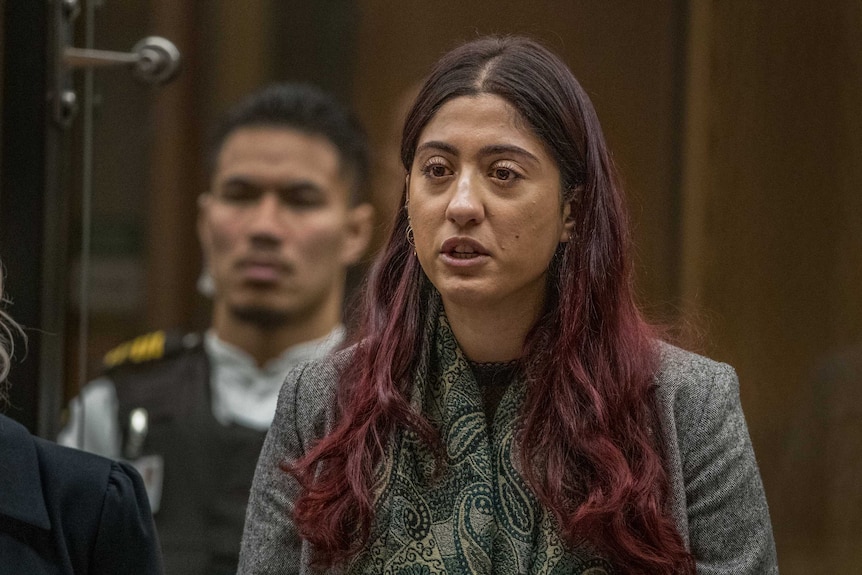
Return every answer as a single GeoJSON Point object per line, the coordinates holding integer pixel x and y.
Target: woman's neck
{"type": "Point", "coordinates": [490, 334]}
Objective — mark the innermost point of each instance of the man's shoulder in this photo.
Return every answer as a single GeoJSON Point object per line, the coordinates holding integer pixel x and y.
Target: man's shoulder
{"type": "Point", "coordinates": [163, 370]}
{"type": "Point", "coordinates": [151, 349]}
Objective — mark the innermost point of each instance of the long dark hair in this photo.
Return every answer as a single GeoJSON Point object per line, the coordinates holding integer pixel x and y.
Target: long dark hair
{"type": "Point", "coordinates": [589, 413]}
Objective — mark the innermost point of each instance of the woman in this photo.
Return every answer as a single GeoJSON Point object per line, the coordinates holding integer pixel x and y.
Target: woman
{"type": "Point", "coordinates": [506, 408]}
{"type": "Point", "coordinates": [63, 511]}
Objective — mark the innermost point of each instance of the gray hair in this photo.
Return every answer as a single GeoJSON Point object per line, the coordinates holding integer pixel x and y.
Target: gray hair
{"type": "Point", "coordinates": [8, 328]}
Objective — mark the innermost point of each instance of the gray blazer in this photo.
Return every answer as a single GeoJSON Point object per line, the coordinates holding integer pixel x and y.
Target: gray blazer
{"type": "Point", "coordinates": [717, 495]}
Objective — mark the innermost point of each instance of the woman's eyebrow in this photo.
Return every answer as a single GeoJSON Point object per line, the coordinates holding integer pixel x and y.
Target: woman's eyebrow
{"type": "Point", "coordinates": [506, 149]}
{"type": "Point", "coordinates": [437, 145]}
{"type": "Point", "coordinates": [490, 150]}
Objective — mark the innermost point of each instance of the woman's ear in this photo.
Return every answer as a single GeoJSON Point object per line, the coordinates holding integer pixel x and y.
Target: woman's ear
{"type": "Point", "coordinates": [570, 209]}
{"type": "Point", "coordinates": [407, 194]}
{"type": "Point", "coordinates": [568, 222]}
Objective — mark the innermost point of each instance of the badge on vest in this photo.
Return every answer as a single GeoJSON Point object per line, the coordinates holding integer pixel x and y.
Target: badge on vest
{"type": "Point", "coordinates": [152, 470]}
{"type": "Point", "coordinates": [151, 467]}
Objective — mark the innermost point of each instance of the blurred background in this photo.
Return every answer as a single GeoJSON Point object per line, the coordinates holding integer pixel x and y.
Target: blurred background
{"type": "Point", "coordinates": [736, 125]}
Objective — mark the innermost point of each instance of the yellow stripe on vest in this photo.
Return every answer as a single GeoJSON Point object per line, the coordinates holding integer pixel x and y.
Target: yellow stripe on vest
{"type": "Point", "coordinates": [144, 348]}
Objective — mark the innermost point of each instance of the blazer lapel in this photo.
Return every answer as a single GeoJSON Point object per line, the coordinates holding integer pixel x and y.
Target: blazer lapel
{"type": "Point", "coordinates": [20, 480]}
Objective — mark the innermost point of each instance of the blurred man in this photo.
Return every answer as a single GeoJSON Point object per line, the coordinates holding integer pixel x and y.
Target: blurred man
{"type": "Point", "coordinates": [284, 218]}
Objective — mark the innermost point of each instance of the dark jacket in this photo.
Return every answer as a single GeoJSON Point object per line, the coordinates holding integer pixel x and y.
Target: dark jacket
{"type": "Point", "coordinates": [64, 511]}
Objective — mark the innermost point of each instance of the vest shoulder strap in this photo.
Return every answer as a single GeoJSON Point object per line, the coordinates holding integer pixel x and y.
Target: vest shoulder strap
{"type": "Point", "coordinates": [150, 347]}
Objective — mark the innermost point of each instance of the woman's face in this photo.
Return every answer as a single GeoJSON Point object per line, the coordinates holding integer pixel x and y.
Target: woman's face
{"type": "Point", "coordinates": [485, 205]}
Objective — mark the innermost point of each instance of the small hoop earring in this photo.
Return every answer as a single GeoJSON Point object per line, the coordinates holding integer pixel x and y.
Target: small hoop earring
{"type": "Point", "coordinates": [410, 238]}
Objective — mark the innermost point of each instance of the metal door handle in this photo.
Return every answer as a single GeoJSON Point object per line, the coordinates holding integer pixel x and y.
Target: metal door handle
{"type": "Point", "coordinates": [154, 60]}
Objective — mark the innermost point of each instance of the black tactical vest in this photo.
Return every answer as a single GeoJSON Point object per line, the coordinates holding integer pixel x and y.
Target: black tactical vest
{"type": "Point", "coordinates": [208, 467]}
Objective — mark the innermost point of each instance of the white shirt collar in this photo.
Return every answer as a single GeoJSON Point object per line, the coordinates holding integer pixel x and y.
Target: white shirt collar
{"type": "Point", "coordinates": [246, 394]}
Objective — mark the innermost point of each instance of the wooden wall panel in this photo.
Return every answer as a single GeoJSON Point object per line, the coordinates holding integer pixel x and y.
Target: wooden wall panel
{"type": "Point", "coordinates": [772, 242]}
{"type": "Point", "coordinates": [175, 176]}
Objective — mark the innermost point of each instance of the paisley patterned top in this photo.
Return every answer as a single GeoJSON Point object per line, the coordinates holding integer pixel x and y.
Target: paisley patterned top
{"type": "Point", "coordinates": [477, 516]}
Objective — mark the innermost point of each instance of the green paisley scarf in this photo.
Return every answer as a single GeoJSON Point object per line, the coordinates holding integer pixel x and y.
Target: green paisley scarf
{"type": "Point", "coordinates": [478, 515]}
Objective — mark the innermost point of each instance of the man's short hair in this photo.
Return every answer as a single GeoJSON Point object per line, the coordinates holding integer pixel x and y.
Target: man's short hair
{"type": "Point", "coordinates": [308, 109]}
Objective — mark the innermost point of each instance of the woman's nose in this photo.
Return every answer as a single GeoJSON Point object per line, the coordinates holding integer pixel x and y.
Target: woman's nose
{"type": "Point", "coordinates": [465, 206]}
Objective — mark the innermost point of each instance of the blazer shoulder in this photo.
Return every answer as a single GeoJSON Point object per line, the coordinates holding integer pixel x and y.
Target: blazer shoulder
{"type": "Point", "coordinates": [682, 368]}
{"type": "Point", "coordinates": [308, 394]}
{"type": "Point", "coordinates": [61, 477]}
{"type": "Point", "coordinates": [687, 381]}
{"type": "Point", "coordinates": [69, 467]}
{"type": "Point", "coordinates": [74, 485]}
{"type": "Point", "coordinates": [319, 376]}
{"type": "Point", "coordinates": [100, 508]}
{"type": "Point", "coordinates": [78, 479]}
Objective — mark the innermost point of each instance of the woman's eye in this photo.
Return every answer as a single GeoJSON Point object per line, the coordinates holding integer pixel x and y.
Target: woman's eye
{"type": "Point", "coordinates": [504, 173]}
{"type": "Point", "coordinates": [436, 170]}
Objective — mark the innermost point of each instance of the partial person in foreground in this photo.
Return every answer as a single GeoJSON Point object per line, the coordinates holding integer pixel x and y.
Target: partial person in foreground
{"type": "Point", "coordinates": [284, 218]}
{"type": "Point", "coordinates": [63, 511]}
{"type": "Point", "coordinates": [506, 408]}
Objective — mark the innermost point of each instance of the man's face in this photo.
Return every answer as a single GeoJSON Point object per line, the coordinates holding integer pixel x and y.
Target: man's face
{"type": "Point", "coordinates": [277, 228]}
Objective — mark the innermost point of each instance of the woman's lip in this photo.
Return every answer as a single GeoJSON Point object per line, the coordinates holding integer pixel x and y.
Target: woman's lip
{"type": "Point", "coordinates": [463, 261]}
{"type": "Point", "coordinates": [463, 247]}
{"type": "Point", "coordinates": [463, 252]}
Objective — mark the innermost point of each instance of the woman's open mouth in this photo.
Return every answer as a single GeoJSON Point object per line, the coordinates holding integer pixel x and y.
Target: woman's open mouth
{"type": "Point", "coordinates": [461, 250]}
